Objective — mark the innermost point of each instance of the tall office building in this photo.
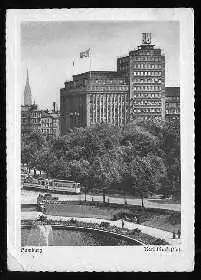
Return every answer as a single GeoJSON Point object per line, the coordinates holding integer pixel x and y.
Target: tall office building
{"type": "Point", "coordinates": [135, 91]}
{"type": "Point", "coordinates": [144, 70]}
{"type": "Point", "coordinates": [94, 97]}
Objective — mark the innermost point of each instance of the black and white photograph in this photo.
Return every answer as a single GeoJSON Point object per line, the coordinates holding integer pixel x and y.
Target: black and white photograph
{"type": "Point", "coordinates": [99, 137]}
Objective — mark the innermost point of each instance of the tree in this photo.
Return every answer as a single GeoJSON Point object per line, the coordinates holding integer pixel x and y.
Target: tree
{"type": "Point", "coordinates": [59, 168]}
{"type": "Point", "coordinates": [141, 140]}
{"type": "Point", "coordinates": [106, 171]}
{"type": "Point", "coordinates": [26, 155]}
{"type": "Point", "coordinates": [168, 135]}
{"type": "Point", "coordinates": [146, 173]}
{"type": "Point", "coordinates": [80, 170]}
{"type": "Point", "coordinates": [36, 139]}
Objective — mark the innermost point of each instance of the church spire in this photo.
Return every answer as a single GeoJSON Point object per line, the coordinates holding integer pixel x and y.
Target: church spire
{"type": "Point", "coordinates": [27, 92]}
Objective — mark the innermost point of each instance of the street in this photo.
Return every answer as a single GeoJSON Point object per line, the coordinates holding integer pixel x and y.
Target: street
{"type": "Point", "coordinates": [29, 197]}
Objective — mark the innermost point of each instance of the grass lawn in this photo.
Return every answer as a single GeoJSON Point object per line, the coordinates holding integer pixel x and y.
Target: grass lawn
{"type": "Point", "coordinates": [167, 222]}
{"type": "Point", "coordinates": [163, 222]}
{"type": "Point", "coordinates": [83, 211]}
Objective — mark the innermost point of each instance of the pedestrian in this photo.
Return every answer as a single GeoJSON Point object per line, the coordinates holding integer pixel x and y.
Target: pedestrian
{"type": "Point", "coordinates": [122, 223]}
{"type": "Point", "coordinates": [173, 235]}
{"type": "Point", "coordinates": [108, 200]}
{"type": "Point", "coordinates": [178, 234]}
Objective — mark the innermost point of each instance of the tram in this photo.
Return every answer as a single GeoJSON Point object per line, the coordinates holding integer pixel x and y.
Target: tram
{"type": "Point", "coordinates": [52, 185]}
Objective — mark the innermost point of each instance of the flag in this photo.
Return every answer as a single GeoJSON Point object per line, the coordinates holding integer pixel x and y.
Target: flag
{"type": "Point", "coordinates": [84, 53]}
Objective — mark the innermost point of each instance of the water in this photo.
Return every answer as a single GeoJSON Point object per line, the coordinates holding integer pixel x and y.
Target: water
{"type": "Point", "coordinates": [70, 237]}
{"type": "Point", "coordinates": [46, 232]}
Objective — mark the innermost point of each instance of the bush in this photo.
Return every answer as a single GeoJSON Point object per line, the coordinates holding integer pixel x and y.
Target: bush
{"type": "Point", "coordinates": [42, 218]}
{"type": "Point", "coordinates": [159, 241]}
{"type": "Point", "coordinates": [136, 231]}
{"type": "Point", "coordinates": [104, 224]}
{"type": "Point", "coordinates": [73, 221]}
{"type": "Point", "coordinates": [114, 218]}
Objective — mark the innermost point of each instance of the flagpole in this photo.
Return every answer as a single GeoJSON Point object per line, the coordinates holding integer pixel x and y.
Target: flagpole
{"type": "Point", "coordinates": [73, 67]}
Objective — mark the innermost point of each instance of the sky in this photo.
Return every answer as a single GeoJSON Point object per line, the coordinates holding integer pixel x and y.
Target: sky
{"type": "Point", "coordinates": [48, 50]}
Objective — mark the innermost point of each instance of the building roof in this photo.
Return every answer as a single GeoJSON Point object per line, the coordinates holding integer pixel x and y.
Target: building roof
{"type": "Point", "coordinates": [172, 91]}
{"type": "Point", "coordinates": [27, 92]}
{"type": "Point", "coordinates": [109, 74]}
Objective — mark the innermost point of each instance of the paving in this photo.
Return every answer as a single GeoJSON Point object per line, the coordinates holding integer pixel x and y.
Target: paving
{"type": "Point", "coordinates": [167, 236]}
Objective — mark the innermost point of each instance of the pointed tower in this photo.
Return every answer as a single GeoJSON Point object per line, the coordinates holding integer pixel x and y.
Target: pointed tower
{"type": "Point", "coordinates": [27, 92]}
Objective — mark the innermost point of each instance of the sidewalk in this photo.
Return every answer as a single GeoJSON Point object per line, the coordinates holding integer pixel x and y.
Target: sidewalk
{"type": "Point", "coordinates": [167, 236]}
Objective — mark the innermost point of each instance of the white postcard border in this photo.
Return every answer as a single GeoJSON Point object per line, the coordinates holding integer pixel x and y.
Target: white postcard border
{"type": "Point", "coordinates": [100, 258]}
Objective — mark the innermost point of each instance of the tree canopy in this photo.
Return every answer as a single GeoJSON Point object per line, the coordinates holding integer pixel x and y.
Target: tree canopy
{"type": "Point", "coordinates": [143, 157]}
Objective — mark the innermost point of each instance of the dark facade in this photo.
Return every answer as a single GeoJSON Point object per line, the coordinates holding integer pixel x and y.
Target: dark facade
{"type": "Point", "coordinates": [172, 103]}
{"type": "Point", "coordinates": [94, 97]}
{"type": "Point", "coordinates": [144, 70]}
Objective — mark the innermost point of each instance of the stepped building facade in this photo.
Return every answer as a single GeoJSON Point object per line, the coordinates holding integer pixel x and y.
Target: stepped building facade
{"type": "Point", "coordinates": [135, 91]}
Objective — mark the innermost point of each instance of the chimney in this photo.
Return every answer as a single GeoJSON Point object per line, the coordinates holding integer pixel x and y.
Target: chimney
{"type": "Point", "coordinates": [54, 105]}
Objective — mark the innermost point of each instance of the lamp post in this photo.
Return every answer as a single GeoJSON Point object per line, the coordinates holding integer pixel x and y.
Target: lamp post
{"type": "Point", "coordinates": [85, 193]}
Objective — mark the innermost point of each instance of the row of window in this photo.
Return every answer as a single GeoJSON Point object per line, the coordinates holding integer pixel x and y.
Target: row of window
{"type": "Point", "coordinates": [172, 118]}
{"type": "Point", "coordinates": [48, 131]}
{"type": "Point", "coordinates": [172, 105]}
{"type": "Point", "coordinates": [147, 110]}
{"type": "Point", "coordinates": [146, 80]}
{"type": "Point", "coordinates": [35, 120]}
{"type": "Point", "coordinates": [146, 102]}
{"type": "Point", "coordinates": [147, 66]}
{"type": "Point", "coordinates": [109, 108]}
{"type": "Point", "coordinates": [123, 60]}
{"type": "Point", "coordinates": [147, 57]}
{"type": "Point", "coordinates": [172, 98]}
{"type": "Point", "coordinates": [142, 118]}
{"type": "Point", "coordinates": [117, 119]}
{"type": "Point", "coordinates": [147, 95]}
{"type": "Point", "coordinates": [83, 83]}
{"type": "Point", "coordinates": [172, 111]}
{"type": "Point", "coordinates": [147, 73]}
{"type": "Point", "coordinates": [36, 114]}
{"type": "Point", "coordinates": [47, 124]}
{"type": "Point", "coordinates": [123, 68]}
{"type": "Point", "coordinates": [108, 88]}
{"type": "Point", "coordinates": [149, 88]}
{"type": "Point", "coordinates": [108, 98]}
{"type": "Point", "coordinates": [112, 81]}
